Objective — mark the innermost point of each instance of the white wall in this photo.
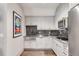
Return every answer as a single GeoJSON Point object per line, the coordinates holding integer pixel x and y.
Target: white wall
{"type": "Point", "coordinates": [43, 22]}
{"type": "Point", "coordinates": [61, 11]}
{"type": "Point", "coordinates": [2, 29]}
{"type": "Point", "coordinates": [14, 45]}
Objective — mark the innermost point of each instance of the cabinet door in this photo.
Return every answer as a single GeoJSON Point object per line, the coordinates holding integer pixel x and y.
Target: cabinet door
{"type": "Point", "coordinates": [48, 42]}
{"type": "Point", "coordinates": [57, 47]}
{"type": "Point", "coordinates": [44, 42]}
{"type": "Point", "coordinates": [40, 43]}
{"type": "Point", "coordinates": [27, 44]}
{"type": "Point", "coordinates": [54, 47]}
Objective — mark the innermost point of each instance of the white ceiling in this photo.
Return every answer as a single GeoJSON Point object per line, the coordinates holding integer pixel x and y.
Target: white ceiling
{"type": "Point", "coordinates": [39, 9]}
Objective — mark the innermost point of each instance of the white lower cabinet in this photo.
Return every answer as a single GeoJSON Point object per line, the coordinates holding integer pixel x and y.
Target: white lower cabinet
{"type": "Point", "coordinates": [58, 48]}
{"type": "Point", "coordinates": [45, 42]}
{"type": "Point", "coordinates": [39, 43]}
{"type": "Point", "coordinates": [48, 43]}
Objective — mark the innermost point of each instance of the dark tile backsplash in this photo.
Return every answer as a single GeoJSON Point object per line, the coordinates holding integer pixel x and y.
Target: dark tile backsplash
{"type": "Point", "coordinates": [48, 32]}
{"type": "Point", "coordinates": [32, 30]}
{"type": "Point", "coordinates": [55, 32]}
{"type": "Point", "coordinates": [42, 32]}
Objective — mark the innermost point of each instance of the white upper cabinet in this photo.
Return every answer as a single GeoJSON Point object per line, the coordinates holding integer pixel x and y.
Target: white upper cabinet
{"type": "Point", "coordinates": [42, 22]}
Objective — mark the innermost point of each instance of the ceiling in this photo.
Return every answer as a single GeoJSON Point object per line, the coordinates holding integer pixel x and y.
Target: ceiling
{"type": "Point", "coordinates": [39, 9]}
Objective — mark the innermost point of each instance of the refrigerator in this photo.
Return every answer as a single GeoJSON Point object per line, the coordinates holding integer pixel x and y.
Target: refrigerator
{"type": "Point", "coordinates": [73, 34]}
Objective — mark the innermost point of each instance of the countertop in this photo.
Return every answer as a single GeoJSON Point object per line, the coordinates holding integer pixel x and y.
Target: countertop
{"type": "Point", "coordinates": [33, 37]}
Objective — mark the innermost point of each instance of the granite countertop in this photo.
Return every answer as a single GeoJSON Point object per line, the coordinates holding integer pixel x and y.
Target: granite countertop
{"type": "Point", "coordinates": [62, 41]}
{"type": "Point", "coordinates": [33, 37]}
{"type": "Point", "coordinates": [38, 35]}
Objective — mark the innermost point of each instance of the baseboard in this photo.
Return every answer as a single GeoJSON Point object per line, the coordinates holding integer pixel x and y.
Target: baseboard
{"type": "Point", "coordinates": [19, 54]}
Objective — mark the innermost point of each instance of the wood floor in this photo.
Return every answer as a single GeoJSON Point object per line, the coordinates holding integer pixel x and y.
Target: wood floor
{"type": "Point", "coordinates": [38, 52]}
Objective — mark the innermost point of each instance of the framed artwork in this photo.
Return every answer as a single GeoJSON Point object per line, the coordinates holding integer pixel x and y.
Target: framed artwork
{"type": "Point", "coordinates": [17, 30]}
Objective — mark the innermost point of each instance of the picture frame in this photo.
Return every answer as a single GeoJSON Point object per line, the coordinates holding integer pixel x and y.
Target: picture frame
{"type": "Point", "coordinates": [17, 30]}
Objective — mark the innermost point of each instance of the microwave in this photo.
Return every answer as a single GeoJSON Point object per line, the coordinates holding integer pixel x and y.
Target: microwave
{"type": "Point", "coordinates": [61, 24]}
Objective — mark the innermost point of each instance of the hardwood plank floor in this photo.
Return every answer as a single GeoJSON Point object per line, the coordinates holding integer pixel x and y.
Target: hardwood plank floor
{"type": "Point", "coordinates": [38, 52]}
